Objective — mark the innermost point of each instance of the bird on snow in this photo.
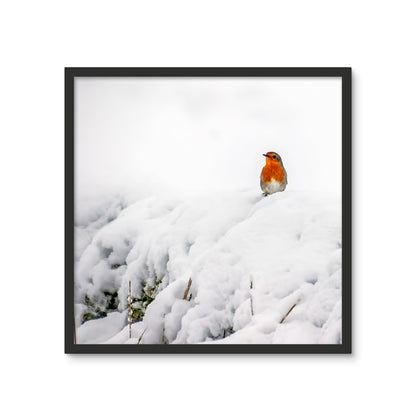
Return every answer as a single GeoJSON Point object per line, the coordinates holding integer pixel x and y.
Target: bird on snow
{"type": "Point", "coordinates": [273, 176]}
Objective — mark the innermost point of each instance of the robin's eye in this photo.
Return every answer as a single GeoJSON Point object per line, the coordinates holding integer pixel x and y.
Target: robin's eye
{"type": "Point", "coordinates": [274, 157]}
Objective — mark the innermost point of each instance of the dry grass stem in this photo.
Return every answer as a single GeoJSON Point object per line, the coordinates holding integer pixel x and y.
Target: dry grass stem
{"type": "Point", "coordinates": [288, 312]}
{"type": "Point", "coordinates": [251, 297]}
{"type": "Point", "coordinates": [130, 318]}
{"type": "Point", "coordinates": [141, 336]}
{"type": "Point", "coordinates": [185, 296]}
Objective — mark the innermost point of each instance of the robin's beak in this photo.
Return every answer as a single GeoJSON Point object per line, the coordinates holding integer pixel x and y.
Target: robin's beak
{"type": "Point", "coordinates": [266, 156]}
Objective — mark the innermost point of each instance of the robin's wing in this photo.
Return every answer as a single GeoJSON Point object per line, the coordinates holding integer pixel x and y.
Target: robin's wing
{"type": "Point", "coordinates": [284, 182]}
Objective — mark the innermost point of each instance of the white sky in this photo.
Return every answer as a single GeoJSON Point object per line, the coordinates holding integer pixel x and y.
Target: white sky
{"type": "Point", "coordinates": [205, 133]}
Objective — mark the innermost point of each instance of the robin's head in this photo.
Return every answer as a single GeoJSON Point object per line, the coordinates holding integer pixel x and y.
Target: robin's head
{"type": "Point", "coordinates": [272, 157]}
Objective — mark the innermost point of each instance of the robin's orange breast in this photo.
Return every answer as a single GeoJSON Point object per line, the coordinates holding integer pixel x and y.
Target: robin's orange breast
{"type": "Point", "coordinates": [273, 171]}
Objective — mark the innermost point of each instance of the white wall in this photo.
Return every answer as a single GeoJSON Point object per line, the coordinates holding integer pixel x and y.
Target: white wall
{"type": "Point", "coordinates": [40, 38]}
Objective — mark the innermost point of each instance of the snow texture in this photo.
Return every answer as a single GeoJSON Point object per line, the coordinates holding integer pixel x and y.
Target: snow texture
{"type": "Point", "coordinates": [251, 259]}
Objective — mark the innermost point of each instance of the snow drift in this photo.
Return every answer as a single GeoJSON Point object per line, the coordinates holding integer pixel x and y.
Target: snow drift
{"type": "Point", "coordinates": [224, 268]}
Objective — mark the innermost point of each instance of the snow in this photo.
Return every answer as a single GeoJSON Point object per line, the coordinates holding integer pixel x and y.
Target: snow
{"type": "Point", "coordinates": [250, 259]}
{"type": "Point", "coordinates": [99, 330]}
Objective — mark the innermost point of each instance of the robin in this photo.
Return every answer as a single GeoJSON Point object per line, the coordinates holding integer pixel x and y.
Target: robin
{"type": "Point", "coordinates": [273, 177]}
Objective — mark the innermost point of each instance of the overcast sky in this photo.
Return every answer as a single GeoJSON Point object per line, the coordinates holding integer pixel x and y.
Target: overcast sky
{"type": "Point", "coordinates": [191, 134]}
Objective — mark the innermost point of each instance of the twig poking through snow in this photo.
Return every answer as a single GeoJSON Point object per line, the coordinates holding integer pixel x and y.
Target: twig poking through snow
{"type": "Point", "coordinates": [251, 296]}
{"type": "Point", "coordinates": [164, 338]}
{"type": "Point", "coordinates": [130, 318]}
{"type": "Point", "coordinates": [288, 312]}
{"type": "Point", "coordinates": [185, 296]}
{"type": "Point", "coordinates": [141, 336]}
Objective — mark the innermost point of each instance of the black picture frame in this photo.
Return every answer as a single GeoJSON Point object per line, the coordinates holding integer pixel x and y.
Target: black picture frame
{"type": "Point", "coordinates": [345, 74]}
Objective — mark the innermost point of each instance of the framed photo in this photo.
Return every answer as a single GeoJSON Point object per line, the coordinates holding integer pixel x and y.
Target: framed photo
{"type": "Point", "coordinates": [208, 210]}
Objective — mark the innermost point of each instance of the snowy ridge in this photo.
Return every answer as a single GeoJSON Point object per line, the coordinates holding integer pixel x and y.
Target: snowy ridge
{"type": "Point", "coordinates": [250, 260]}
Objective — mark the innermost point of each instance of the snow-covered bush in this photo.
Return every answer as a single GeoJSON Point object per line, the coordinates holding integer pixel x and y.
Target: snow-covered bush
{"type": "Point", "coordinates": [250, 260]}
